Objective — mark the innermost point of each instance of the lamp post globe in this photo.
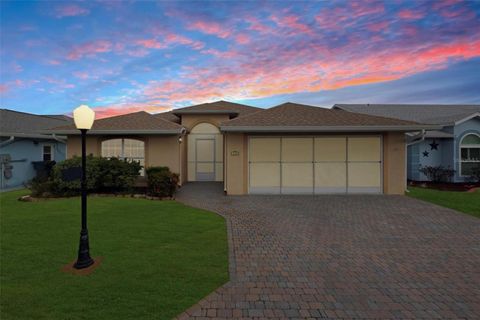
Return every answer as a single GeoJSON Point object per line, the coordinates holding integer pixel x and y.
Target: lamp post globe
{"type": "Point", "coordinates": [83, 117]}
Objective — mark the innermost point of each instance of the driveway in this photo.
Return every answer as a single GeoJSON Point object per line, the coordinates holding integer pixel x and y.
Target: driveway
{"type": "Point", "coordinates": [348, 257]}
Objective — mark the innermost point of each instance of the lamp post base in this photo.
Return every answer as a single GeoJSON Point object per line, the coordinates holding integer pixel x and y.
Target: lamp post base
{"type": "Point", "coordinates": [84, 260]}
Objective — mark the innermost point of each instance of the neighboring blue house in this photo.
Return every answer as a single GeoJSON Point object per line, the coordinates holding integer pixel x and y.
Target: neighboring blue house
{"type": "Point", "coordinates": [455, 145]}
{"type": "Point", "coordinates": [22, 142]}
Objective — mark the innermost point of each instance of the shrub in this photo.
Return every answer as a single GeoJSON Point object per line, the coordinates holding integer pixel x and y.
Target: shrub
{"type": "Point", "coordinates": [103, 175]}
{"type": "Point", "coordinates": [161, 182]}
{"type": "Point", "coordinates": [437, 173]}
{"type": "Point", "coordinates": [475, 175]}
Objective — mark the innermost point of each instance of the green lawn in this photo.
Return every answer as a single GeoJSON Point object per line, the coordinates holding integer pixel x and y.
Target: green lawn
{"type": "Point", "coordinates": [467, 202]}
{"type": "Point", "coordinates": [160, 257]}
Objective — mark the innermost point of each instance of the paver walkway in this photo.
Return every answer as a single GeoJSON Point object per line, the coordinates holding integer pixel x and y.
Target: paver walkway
{"type": "Point", "coordinates": [342, 257]}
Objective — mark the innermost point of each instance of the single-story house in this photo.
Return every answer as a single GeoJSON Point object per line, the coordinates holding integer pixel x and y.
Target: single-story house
{"type": "Point", "coordinates": [456, 145]}
{"type": "Point", "coordinates": [23, 143]}
{"type": "Point", "coordinates": [287, 149]}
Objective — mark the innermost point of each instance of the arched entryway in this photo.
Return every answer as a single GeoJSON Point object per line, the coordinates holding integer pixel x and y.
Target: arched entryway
{"type": "Point", "coordinates": [205, 153]}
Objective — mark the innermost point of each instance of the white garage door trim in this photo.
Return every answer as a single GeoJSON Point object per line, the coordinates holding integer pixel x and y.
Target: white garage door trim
{"type": "Point", "coordinates": [278, 177]}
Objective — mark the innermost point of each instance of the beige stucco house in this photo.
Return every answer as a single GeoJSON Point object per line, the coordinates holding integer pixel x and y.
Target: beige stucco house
{"type": "Point", "coordinates": [287, 149]}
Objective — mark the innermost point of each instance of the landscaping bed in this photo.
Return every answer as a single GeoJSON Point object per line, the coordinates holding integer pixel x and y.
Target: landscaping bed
{"type": "Point", "coordinates": [444, 186]}
{"type": "Point", "coordinates": [159, 258]}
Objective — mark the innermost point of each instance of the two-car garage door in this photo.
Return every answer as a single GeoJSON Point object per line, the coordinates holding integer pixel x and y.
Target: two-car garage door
{"type": "Point", "coordinates": [307, 165]}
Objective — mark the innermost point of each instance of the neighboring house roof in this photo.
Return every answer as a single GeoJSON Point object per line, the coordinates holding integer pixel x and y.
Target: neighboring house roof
{"type": "Point", "coordinates": [424, 113]}
{"type": "Point", "coordinates": [292, 117]}
{"type": "Point", "coordinates": [133, 123]}
{"type": "Point", "coordinates": [28, 125]}
{"type": "Point", "coordinates": [218, 107]}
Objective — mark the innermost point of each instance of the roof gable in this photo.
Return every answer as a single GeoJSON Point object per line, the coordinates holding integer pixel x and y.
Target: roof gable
{"type": "Point", "coordinates": [217, 107]}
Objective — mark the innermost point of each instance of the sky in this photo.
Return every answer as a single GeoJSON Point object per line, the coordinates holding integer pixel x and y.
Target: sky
{"type": "Point", "coordinates": [125, 56]}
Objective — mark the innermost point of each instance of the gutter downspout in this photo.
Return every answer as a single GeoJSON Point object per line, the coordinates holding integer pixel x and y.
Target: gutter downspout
{"type": "Point", "coordinates": [7, 142]}
{"type": "Point", "coordinates": [406, 156]}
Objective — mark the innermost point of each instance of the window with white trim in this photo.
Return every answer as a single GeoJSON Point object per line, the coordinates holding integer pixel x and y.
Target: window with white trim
{"type": "Point", "coordinates": [47, 152]}
{"type": "Point", "coordinates": [469, 154]}
{"type": "Point", "coordinates": [128, 149]}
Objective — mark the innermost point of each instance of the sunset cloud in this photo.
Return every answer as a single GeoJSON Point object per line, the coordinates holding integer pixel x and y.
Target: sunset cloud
{"type": "Point", "coordinates": [90, 49]}
{"type": "Point", "coordinates": [70, 10]}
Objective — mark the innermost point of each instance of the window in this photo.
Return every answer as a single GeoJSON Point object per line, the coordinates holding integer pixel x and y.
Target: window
{"type": "Point", "coordinates": [47, 153]}
{"type": "Point", "coordinates": [128, 149]}
{"type": "Point", "coordinates": [469, 154]}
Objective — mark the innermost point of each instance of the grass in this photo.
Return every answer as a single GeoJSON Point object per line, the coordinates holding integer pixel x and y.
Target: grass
{"type": "Point", "coordinates": [159, 258]}
{"type": "Point", "coordinates": [467, 202]}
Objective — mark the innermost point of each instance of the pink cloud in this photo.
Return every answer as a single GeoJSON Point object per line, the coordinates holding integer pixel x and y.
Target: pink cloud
{"type": "Point", "coordinates": [90, 49]}
{"type": "Point", "coordinates": [292, 22]}
{"type": "Point", "coordinates": [221, 54]}
{"type": "Point", "coordinates": [151, 44]}
{"type": "Point", "coordinates": [410, 14]}
{"type": "Point", "coordinates": [54, 62]}
{"type": "Point", "coordinates": [70, 10]}
{"type": "Point", "coordinates": [3, 88]}
{"type": "Point", "coordinates": [170, 39]}
{"type": "Point", "coordinates": [320, 69]}
{"type": "Point", "coordinates": [81, 75]}
{"type": "Point", "coordinates": [210, 27]}
{"type": "Point", "coordinates": [242, 38]}
{"type": "Point", "coordinates": [124, 108]}
{"type": "Point", "coordinates": [257, 25]}
{"type": "Point", "coordinates": [377, 26]}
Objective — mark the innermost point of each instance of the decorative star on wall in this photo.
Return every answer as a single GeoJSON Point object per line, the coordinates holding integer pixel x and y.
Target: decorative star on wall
{"type": "Point", "coordinates": [425, 153]}
{"type": "Point", "coordinates": [433, 145]}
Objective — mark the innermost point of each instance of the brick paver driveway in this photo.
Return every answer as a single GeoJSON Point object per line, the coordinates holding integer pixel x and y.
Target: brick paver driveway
{"type": "Point", "coordinates": [348, 257]}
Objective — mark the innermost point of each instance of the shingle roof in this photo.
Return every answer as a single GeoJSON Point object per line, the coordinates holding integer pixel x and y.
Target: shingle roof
{"type": "Point", "coordinates": [298, 117]}
{"type": "Point", "coordinates": [425, 113]}
{"type": "Point", "coordinates": [221, 106]}
{"type": "Point", "coordinates": [137, 122]}
{"type": "Point", "coordinates": [25, 124]}
{"type": "Point", "coordinates": [169, 116]}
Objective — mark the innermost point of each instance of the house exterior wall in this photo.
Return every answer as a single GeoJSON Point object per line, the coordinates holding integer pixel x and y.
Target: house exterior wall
{"type": "Point", "coordinates": [394, 163]}
{"type": "Point", "coordinates": [459, 131]}
{"type": "Point", "coordinates": [159, 150]}
{"type": "Point", "coordinates": [23, 152]}
{"type": "Point", "coordinates": [442, 156]}
{"type": "Point", "coordinates": [236, 160]}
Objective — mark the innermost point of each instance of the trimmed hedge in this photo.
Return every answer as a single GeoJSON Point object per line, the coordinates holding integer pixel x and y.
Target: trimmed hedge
{"type": "Point", "coordinates": [104, 175]}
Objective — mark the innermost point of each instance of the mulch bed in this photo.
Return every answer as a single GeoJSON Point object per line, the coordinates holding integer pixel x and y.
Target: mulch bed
{"type": "Point", "coordinates": [460, 187]}
{"type": "Point", "coordinates": [68, 268]}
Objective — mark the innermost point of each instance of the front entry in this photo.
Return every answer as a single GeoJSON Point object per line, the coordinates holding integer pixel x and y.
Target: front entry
{"type": "Point", "coordinates": [205, 159]}
{"type": "Point", "coordinates": [205, 153]}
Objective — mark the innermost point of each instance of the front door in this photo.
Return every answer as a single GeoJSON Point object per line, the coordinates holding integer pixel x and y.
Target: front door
{"type": "Point", "coordinates": [205, 159]}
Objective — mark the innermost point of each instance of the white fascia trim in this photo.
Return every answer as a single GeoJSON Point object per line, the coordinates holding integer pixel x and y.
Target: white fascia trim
{"type": "Point", "coordinates": [327, 128]}
{"type": "Point", "coordinates": [474, 115]}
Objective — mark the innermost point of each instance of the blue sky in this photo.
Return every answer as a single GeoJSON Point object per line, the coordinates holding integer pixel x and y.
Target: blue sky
{"type": "Point", "coordinates": [124, 56]}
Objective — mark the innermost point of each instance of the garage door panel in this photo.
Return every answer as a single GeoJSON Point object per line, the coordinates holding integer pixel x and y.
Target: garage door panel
{"type": "Point", "coordinates": [330, 177]}
{"type": "Point", "coordinates": [364, 149]}
{"type": "Point", "coordinates": [331, 149]}
{"type": "Point", "coordinates": [297, 149]}
{"type": "Point", "coordinates": [364, 177]}
{"type": "Point", "coordinates": [297, 178]}
{"type": "Point", "coordinates": [264, 149]}
{"type": "Point", "coordinates": [264, 178]}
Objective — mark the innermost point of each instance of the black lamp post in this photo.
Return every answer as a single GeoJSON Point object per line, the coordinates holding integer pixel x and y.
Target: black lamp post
{"type": "Point", "coordinates": [83, 117]}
